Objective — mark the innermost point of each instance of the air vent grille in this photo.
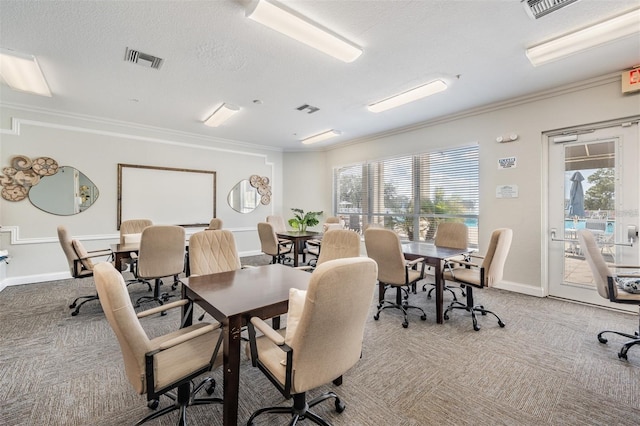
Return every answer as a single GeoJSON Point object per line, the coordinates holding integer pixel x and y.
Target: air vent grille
{"type": "Point", "coordinates": [309, 108]}
{"type": "Point", "coordinates": [539, 8]}
{"type": "Point", "coordinates": [143, 59]}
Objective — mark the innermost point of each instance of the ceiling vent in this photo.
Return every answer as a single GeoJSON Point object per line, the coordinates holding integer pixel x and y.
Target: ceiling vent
{"type": "Point", "coordinates": [539, 8]}
{"type": "Point", "coordinates": [143, 59]}
{"type": "Point", "coordinates": [310, 109]}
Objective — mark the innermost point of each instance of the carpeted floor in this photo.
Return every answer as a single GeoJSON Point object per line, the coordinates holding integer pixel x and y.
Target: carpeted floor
{"type": "Point", "coordinates": [545, 367]}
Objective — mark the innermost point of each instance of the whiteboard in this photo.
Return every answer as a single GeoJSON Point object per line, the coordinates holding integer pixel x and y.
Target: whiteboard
{"type": "Point", "coordinates": [165, 195]}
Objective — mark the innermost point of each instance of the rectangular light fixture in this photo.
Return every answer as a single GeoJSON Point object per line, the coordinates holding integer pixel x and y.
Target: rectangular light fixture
{"type": "Point", "coordinates": [222, 114]}
{"type": "Point", "coordinates": [22, 72]}
{"type": "Point", "coordinates": [595, 35]}
{"type": "Point", "coordinates": [298, 27]}
{"type": "Point", "coordinates": [321, 136]}
{"type": "Point", "coordinates": [420, 92]}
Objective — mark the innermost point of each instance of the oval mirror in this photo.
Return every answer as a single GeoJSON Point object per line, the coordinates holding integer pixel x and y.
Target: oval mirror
{"type": "Point", "coordinates": [66, 193]}
{"type": "Point", "coordinates": [243, 198]}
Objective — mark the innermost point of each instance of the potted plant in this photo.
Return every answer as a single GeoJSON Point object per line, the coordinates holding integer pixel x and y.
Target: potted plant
{"type": "Point", "coordinates": [301, 220]}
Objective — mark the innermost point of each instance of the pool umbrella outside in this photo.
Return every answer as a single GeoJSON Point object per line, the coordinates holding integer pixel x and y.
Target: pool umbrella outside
{"type": "Point", "coordinates": [576, 195]}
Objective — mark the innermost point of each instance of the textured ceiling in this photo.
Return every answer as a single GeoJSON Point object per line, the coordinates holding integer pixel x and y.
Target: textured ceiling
{"type": "Point", "coordinates": [213, 54]}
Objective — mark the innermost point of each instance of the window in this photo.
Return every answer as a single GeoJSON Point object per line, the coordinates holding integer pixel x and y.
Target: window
{"type": "Point", "coordinates": [411, 194]}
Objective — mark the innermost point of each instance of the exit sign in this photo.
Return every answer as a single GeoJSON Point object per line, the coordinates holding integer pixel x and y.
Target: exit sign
{"type": "Point", "coordinates": [631, 80]}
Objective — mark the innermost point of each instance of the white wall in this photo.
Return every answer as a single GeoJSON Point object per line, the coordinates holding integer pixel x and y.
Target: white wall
{"type": "Point", "coordinates": [95, 148]}
{"type": "Point", "coordinates": [595, 101]}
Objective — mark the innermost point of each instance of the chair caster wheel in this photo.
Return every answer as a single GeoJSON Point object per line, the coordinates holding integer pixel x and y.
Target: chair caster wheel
{"type": "Point", "coordinates": [153, 404]}
{"type": "Point", "coordinates": [602, 339]}
{"type": "Point", "coordinates": [74, 313]}
{"type": "Point", "coordinates": [163, 313]}
{"type": "Point", "coordinates": [501, 324]}
{"type": "Point", "coordinates": [476, 328]}
{"type": "Point", "coordinates": [376, 317]}
{"type": "Point", "coordinates": [71, 306]}
{"type": "Point", "coordinates": [340, 406]}
{"type": "Point", "coordinates": [210, 387]}
{"type": "Point", "coordinates": [405, 324]}
{"type": "Point", "coordinates": [423, 317]}
{"type": "Point", "coordinates": [622, 356]}
{"type": "Point", "coordinates": [445, 316]}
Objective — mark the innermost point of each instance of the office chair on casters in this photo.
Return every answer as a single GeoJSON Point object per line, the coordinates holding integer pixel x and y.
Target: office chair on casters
{"type": "Point", "coordinates": [452, 235]}
{"type": "Point", "coordinates": [486, 274]}
{"type": "Point", "coordinates": [606, 283]}
{"type": "Point", "coordinates": [215, 224]}
{"type": "Point", "coordinates": [161, 255]}
{"type": "Point", "coordinates": [336, 244]}
{"type": "Point", "coordinates": [80, 263]}
{"type": "Point", "coordinates": [158, 366]}
{"type": "Point", "coordinates": [314, 351]}
{"type": "Point", "coordinates": [394, 271]}
{"type": "Point", "coordinates": [130, 233]}
{"type": "Point", "coordinates": [277, 249]}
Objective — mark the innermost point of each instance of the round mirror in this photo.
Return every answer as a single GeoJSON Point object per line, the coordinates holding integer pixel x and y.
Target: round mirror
{"type": "Point", "coordinates": [243, 198]}
{"type": "Point", "coordinates": [65, 193]}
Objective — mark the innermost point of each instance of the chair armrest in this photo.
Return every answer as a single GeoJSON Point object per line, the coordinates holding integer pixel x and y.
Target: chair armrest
{"type": "Point", "coordinates": [97, 253]}
{"type": "Point", "coordinates": [269, 332]}
{"type": "Point", "coordinates": [162, 308]}
{"type": "Point", "coordinates": [188, 336]}
{"type": "Point", "coordinates": [465, 263]}
{"type": "Point", "coordinates": [410, 263]}
{"type": "Point", "coordinates": [247, 267]}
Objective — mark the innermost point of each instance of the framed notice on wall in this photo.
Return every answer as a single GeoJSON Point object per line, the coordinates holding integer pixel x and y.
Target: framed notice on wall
{"type": "Point", "coordinates": [166, 195]}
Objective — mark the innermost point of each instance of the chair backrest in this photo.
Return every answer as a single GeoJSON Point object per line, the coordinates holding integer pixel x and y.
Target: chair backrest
{"type": "Point", "coordinates": [73, 251]}
{"type": "Point", "coordinates": [278, 223]}
{"type": "Point", "coordinates": [332, 219]}
{"type": "Point", "coordinates": [496, 256]}
{"type": "Point", "coordinates": [117, 307]}
{"type": "Point", "coordinates": [453, 235]}
{"type": "Point", "coordinates": [340, 292]}
{"type": "Point", "coordinates": [215, 224]}
{"type": "Point", "coordinates": [132, 227]}
{"type": "Point", "coordinates": [268, 238]}
{"type": "Point", "coordinates": [383, 246]}
{"type": "Point", "coordinates": [211, 252]}
{"type": "Point", "coordinates": [161, 251]}
{"type": "Point", "coordinates": [329, 226]}
{"type": "Point", "coordinates": [339, 244]}
{"type": "Point", "coordinates": [596, 261]}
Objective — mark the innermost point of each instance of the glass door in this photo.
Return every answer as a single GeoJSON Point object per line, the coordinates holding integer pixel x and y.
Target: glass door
{"type": "Point", "coordinates": [594, 184]}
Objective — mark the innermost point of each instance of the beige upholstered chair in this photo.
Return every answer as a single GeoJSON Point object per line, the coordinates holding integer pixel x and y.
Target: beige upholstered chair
{"type": "Point", "coordinates": [215, 224]}
{"type": "Point", "coordinates": [337, 244]}
{"type": "Point", "coordinates": [278, 223]}
{"type": "Point", "coordinates": [332, 219]}
{"type": "Point", "coordinates": [213, 251]}
{"type": "Point", "coordinates": [130, 233]}
{"type": "Point", "coordinates": [606, 284]}
{"type": "Point", "coordinates": [312, 351]}
{"type": "Point", "coordinates": [159, 365]}
{"type": "Point", "coordinates": [80, 263]}
{"type": "Point", "coordinates": [161, 254]}
{"type": "Point", "coordinates": [485, 274]}
{"type": "Point", "coordinates": [452, 235]}
{"type": "Point", "coordinates": [270, 244]}
{"type": "Point", "coordinates": [383, 246]}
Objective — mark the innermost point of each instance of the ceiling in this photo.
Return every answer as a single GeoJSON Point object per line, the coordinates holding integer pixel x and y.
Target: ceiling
{"type": "Point", "coordinates": [213, 54]}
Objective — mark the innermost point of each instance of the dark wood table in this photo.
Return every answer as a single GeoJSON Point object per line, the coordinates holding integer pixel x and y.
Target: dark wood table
{"type": "Point", "coordinates": [298, 239]}
{"type": "Point", "coordinates": [233, 298]}
{"type": "Point", "coordinates": [433, 256]}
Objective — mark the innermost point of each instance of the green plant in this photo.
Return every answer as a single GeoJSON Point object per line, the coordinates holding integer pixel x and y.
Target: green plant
{"type": "Point", "coordinates": [301, 220]}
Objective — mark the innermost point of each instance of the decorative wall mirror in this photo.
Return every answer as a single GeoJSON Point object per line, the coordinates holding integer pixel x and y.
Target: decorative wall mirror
{"type": "Point", "coordinates": [243, 197]}
{"type": "Point", "coordinates": [65, 193]}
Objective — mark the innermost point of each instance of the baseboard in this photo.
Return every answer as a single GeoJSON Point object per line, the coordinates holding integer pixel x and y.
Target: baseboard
{"type": "Point", "coordinates": [521, 288]}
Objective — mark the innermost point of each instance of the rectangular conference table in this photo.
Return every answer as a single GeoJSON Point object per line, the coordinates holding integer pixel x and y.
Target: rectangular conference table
{"type": "Point", "coordinates": [233, 298]}
{"type": "Point", "coordinates": [298, 239]}
{"type": "Point", "coordinates": [433, 256]}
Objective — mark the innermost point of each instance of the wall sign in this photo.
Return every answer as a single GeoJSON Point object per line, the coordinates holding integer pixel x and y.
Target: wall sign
{"type": "Point", "coordinates": [507, 163]}
{"type": "Point", "coordinates": [507, 191]}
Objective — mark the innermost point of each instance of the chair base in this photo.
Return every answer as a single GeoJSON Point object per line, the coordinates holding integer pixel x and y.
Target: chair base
{"type": "Point", "coordinates": [185, 398]}
{"type": "Point", "coordinates": [473, 309]}
{"type": "Point", "coordinates": [635, 340]}
{"type": "Point", "coordinates": [157, 296]}
{"type": "Point", "coordinates": [401, 305]}
{"type": "Point", "coordinates": [447, 288]}
{"type": "Point", "coordinates": [77, 305]}
{"type": "Point", "coordinates": [301, 409]}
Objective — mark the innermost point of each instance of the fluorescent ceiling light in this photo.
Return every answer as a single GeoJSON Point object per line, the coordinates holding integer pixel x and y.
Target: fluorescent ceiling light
{"type": "Point", "coordinates": [22, 72]}
{"type": "Point", "coordinates": [595, 35]}
{"type": "Point", "coordinates": [321, 136]}
{"type": "Point", "coordinates": [222, 114]}
{"type": "Point", "coordinates": [409, 96]}
{"type": "Point", "coordinates": [300, 28]}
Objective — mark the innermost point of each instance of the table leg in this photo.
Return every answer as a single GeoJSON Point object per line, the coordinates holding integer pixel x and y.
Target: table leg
{"type": "Point", "coordinates": [231, 367]}
{"type": "Point", "coordinates": [439, 293]}
{"type": "Point", "coordinates": [295, 253]}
